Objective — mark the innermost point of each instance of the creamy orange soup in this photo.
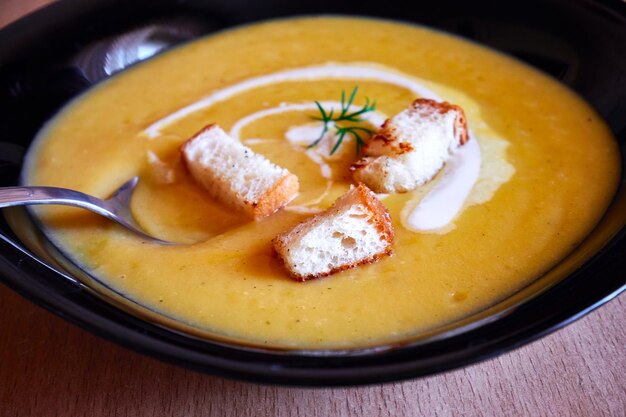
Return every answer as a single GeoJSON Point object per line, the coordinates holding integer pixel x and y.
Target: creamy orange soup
{"type": "Point", "coordinates": [548, 169]}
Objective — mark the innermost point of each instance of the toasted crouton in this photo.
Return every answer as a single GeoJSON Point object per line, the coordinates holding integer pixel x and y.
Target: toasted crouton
{"type": "Point", "coordinates": [233, 174]}
{"type": "Point", "coordinates": [411, 147]}
{"type": "Point", "coordinates": [355, 230]}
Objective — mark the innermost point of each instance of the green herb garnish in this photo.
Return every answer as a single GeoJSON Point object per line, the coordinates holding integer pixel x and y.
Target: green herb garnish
{"type": "Point", "coordinates": [331, 120]}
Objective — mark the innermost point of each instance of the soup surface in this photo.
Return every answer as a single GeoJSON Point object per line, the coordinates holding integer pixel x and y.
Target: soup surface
{"type": "Point", "coordinates": [546, 167]}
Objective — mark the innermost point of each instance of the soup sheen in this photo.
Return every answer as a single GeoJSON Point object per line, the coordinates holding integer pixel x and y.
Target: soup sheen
{"type": "Point", "coordinates": [547, 168]}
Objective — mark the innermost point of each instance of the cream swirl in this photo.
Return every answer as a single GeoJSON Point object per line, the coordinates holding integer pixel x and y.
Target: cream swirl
{"type": "Point", "coordinates": [436, 210]}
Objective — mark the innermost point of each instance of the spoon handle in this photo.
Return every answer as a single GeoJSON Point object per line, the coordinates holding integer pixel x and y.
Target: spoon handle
{"type": "Point", "coordinates": [21, 196]}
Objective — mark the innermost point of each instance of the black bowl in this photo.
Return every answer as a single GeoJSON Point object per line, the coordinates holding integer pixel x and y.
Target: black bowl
{"type": "Point", "coordinates": [48, 58]}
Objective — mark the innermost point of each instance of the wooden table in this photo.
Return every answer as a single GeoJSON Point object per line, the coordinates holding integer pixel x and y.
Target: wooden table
{"type": "Point", "coordinates": [51, 368]}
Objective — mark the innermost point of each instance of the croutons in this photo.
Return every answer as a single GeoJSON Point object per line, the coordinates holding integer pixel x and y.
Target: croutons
{"type": "Point", "coordinates": [411, 147]}
{"type": "Point", "coordinates": [233, 174]}
{"type": "Point", "coordinates": [355, 230]}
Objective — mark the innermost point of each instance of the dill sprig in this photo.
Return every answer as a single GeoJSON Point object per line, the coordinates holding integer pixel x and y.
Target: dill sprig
{"type": "Point", "coordinates": [330, 120]}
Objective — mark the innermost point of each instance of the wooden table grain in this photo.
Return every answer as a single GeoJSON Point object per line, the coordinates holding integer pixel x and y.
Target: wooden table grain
{"type": "Point", "coordinates": [51, 368]}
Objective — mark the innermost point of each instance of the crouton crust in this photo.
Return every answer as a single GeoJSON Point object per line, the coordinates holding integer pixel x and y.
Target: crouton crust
{"type": "Point", "coordinates": [380, 215]}
{"type": "Point", "coordinates": [283, 191]}
{"type": "Point", "coordinates": [195, 136]}
{"type": "Point", "coordinates": [380, 218]}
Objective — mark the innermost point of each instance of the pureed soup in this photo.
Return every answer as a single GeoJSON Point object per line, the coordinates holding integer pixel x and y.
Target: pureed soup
{"type": "Point", "coordinates": [542, 169]}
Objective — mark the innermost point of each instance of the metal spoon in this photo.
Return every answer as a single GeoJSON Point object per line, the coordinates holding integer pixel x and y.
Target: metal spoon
{"type": "Point", "coordinates": [116, 207]}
